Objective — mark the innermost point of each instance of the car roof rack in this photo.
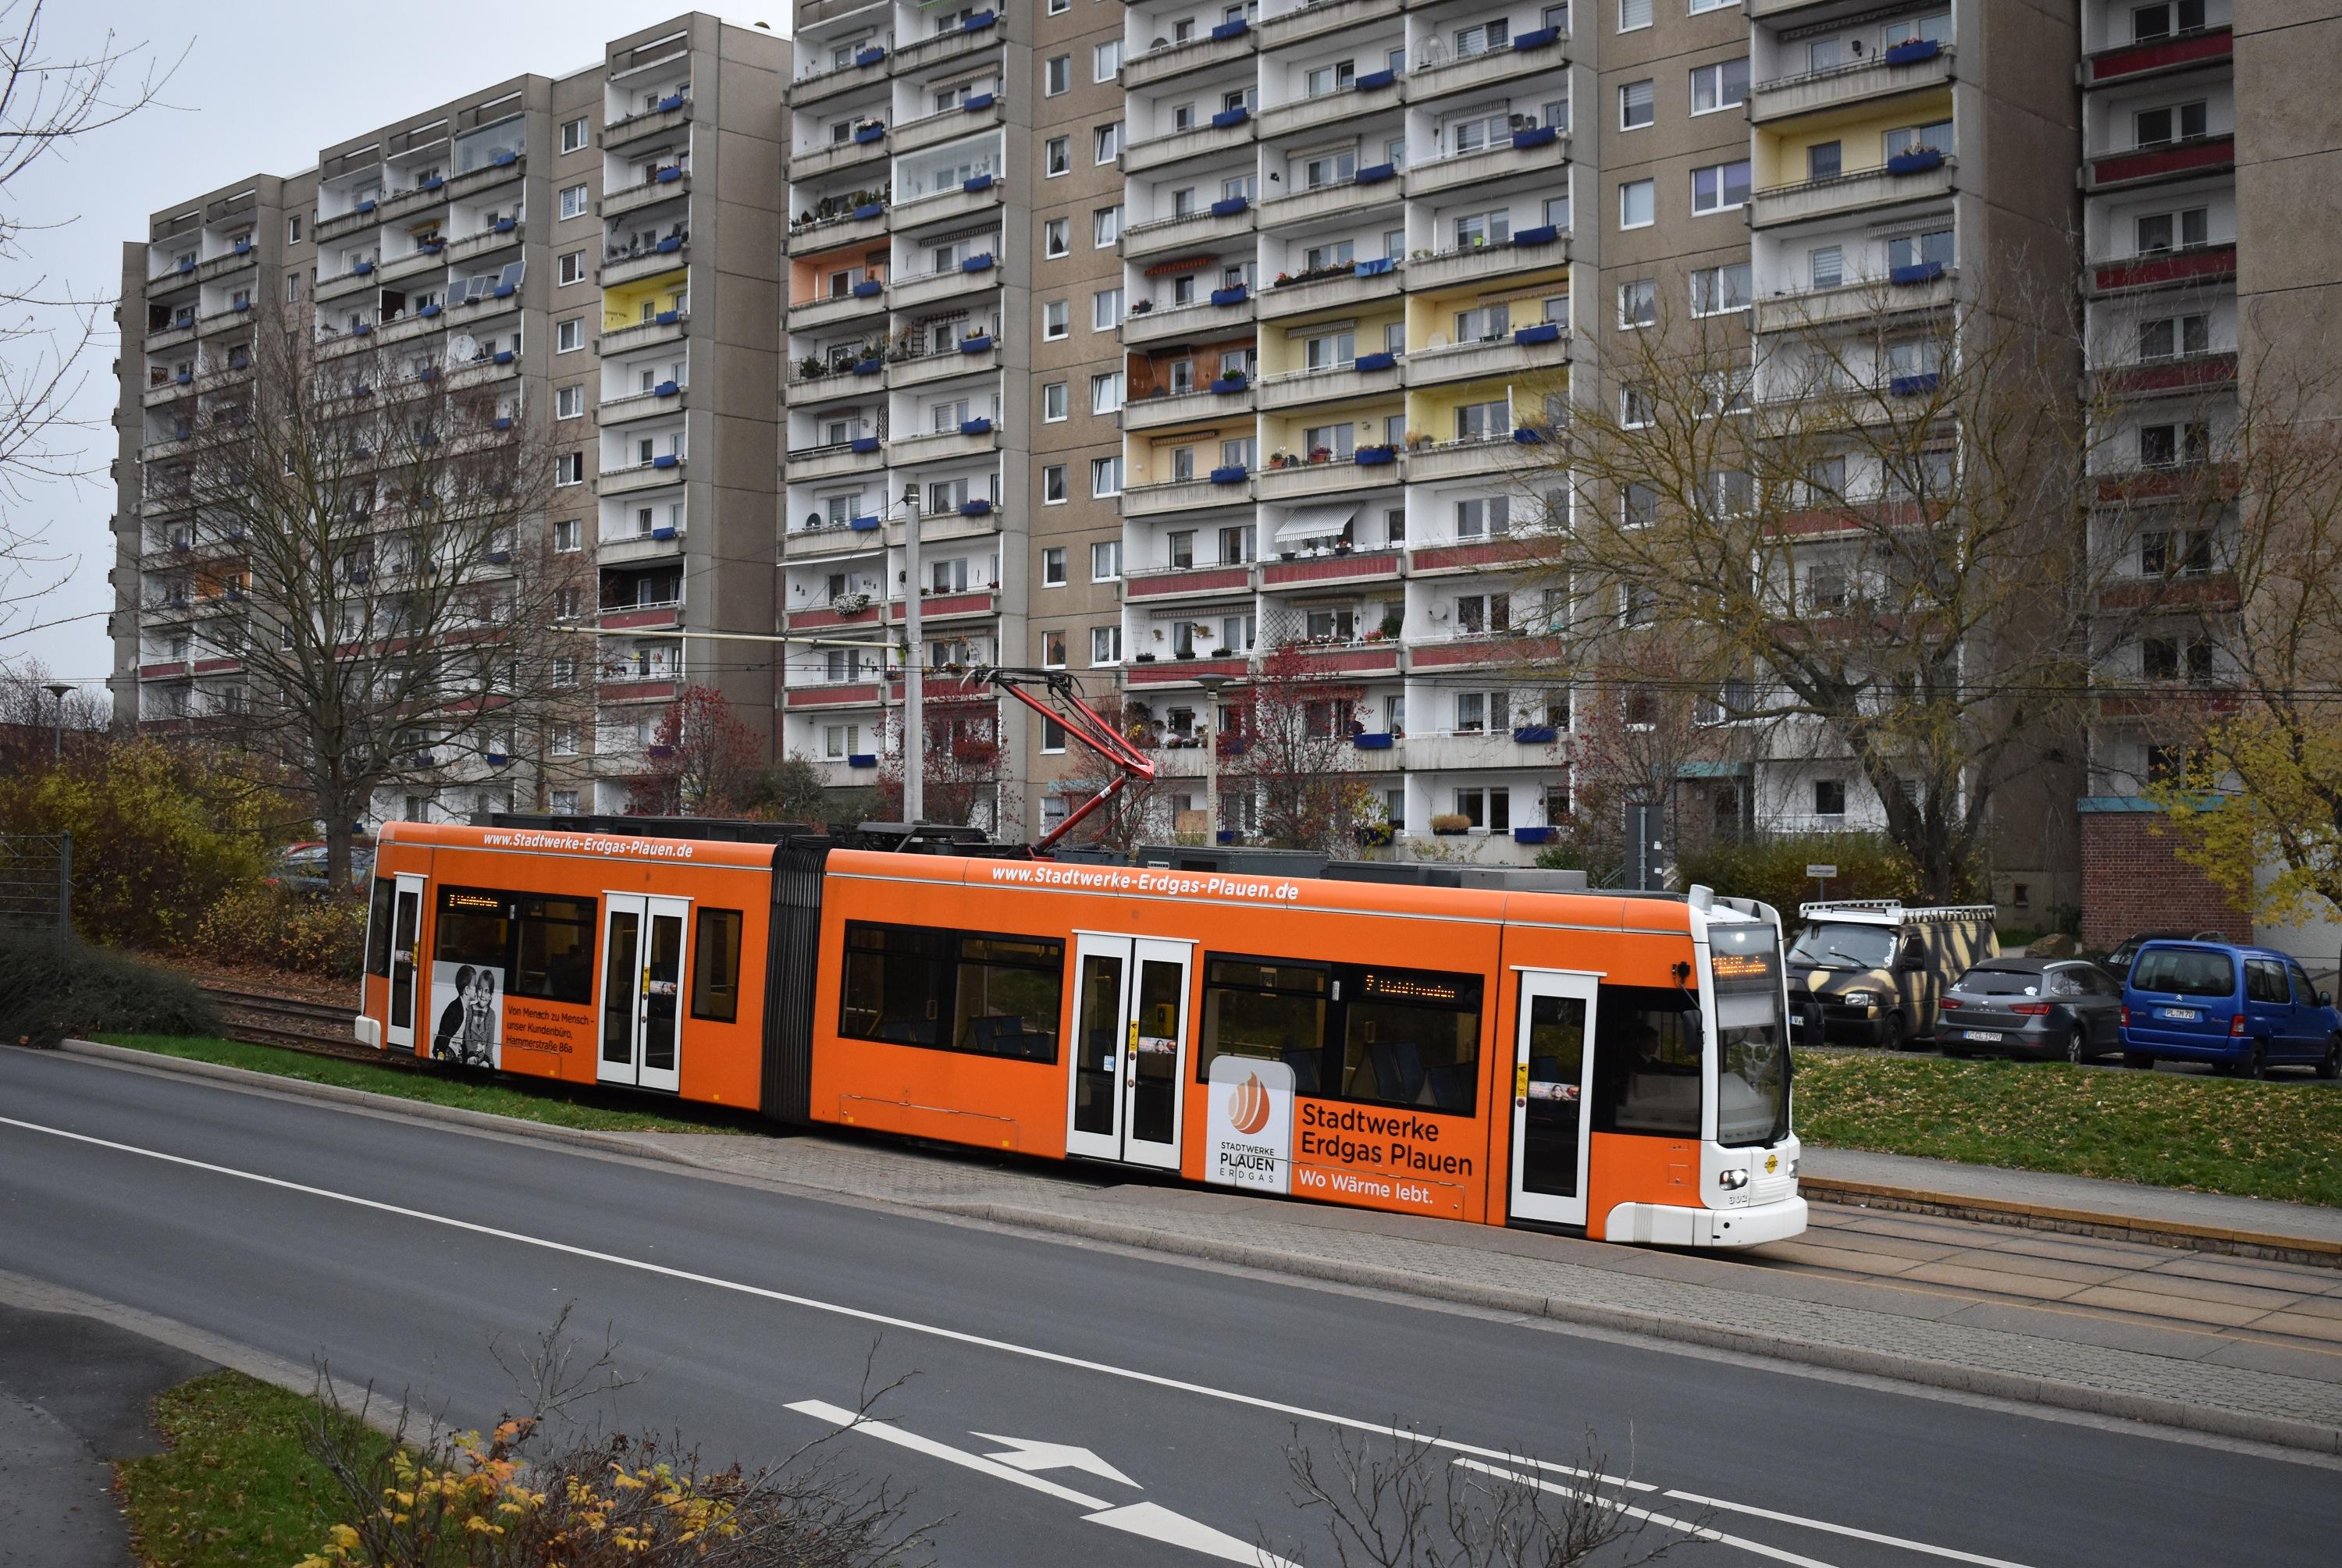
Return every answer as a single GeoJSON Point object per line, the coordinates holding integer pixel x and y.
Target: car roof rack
{"type": "Point", "coordinates": [1897, 909]}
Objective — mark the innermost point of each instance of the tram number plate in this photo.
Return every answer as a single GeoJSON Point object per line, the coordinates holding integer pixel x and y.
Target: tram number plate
{"type": "Point", "coordinates": [1983, 1034]}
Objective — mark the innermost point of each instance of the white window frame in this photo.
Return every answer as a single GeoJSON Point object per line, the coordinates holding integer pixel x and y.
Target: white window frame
{"type": "Point", "coordinates": [577, 201]}
{"type": "Point", "coordinates": [1651, 190]}
{"type": "Point", "coordinates": [1627, 87]}
{"type": "Point", "coordinates": [570, 268]}
{"type": "Point", "coordinates": [570, 336]}
{"type": "Point", "coordinates": [1063, 328]}
{"type": "Point", "coordinates": [1056, 404]}
{"type": "Point", "coordinates": [568, 402]}
{"type": "Point", "coordinates": [1051, 69]}
{"type": "Point", "coordinates": [575, 135]}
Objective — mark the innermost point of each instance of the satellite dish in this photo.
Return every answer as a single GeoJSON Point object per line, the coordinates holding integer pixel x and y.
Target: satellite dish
{"type": "Point", "coordinates": [461, 348]}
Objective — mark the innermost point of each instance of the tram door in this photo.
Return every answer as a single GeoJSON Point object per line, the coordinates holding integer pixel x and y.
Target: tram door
{"type": "Point", "coordinates": [1553, 1088]}
{"type": "Point", "coordinates": [641, 990]}
{"type": "Point", "coordinates": [1130, 1048]}
{"type": "Point", "coordinates": [405, 960]}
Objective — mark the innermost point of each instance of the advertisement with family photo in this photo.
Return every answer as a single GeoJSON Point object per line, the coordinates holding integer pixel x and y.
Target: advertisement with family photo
{"type": "Point", "coordinates": [467, 1014]}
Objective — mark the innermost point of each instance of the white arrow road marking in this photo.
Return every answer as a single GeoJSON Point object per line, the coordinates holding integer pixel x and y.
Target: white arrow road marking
{"type": "Point", "coordinates": [908, 1325]}
{"type": "Point", "coordinates": [1023, 1453]}
{"type": "Point", "coordinates": [1696, 1531]}
{"type": "Point", "coordinates": [1150, 1520]}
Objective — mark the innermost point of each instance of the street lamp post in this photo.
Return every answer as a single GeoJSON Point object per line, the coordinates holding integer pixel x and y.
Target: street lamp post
{"type": "Point", "coordinates": [1212, 685]}
{"type": "Point", "coordinates": [58, 689]}
{"type": "Point", "coordinates": [914, 733]}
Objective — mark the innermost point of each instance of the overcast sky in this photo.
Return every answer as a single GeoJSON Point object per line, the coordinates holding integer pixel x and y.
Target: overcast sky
{"type": "Point", "coordinates": [261, 87]}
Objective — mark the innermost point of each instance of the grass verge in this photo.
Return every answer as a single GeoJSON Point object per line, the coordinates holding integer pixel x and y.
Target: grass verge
{"type": "Point", "coordinates": [2256, 1139]}
{"type": "Point", "coordinates": [562, 1105]}
{"type": "Point", "coordinates": [236, 1487]}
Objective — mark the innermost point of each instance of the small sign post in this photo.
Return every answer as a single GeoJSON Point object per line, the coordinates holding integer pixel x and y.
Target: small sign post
{"type": "Point", "coordinates": [1821, 873]}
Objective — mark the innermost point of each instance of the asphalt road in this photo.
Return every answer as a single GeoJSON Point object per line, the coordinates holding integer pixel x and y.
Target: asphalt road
{"type": "Point", "coordinates": [398, 1252]}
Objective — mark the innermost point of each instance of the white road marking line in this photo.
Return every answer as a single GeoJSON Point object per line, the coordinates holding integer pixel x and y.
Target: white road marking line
{"type": "Point", "coordinates": [1157, 1523]}
{"type": "Point", "coordinates": [1696, 1531]}
{"type": "Point", "coordinates": [1023, 1453]}
{"type": "Point", "coordinates": [858, 1314]}
{"type": "Point", "coordinates": [1799, 1519]}
{"type": "Point", "coordinates": [820, 1410]}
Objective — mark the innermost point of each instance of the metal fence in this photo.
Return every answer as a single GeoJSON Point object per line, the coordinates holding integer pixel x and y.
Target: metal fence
{"type": "Point", "coordinates": [36, 880]}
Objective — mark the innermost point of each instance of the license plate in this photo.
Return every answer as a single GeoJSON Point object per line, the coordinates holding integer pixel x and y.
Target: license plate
{"type": "Point", "coordinates": [2180, 1014]}
{"type": "Point", "coordinates": [1992, 1034]}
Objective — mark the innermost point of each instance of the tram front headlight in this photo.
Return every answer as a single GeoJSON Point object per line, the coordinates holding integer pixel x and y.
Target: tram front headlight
{"type": "Point", "coordinates": [1732, 1181]}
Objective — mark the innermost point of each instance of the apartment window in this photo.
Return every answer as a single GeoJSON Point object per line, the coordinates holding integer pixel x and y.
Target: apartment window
{"type": "Point", "coordinates": [1106, 554]}
{"type": "Point", "coordinates": [569, 468]}
{"type": "Point", "coordinates": [1106, 392]}
{"type": "Point", "coordinates": [1105, 225]}
{"type": "Point", "coordinates": [1106, 143]}
{"type": "Point", "coordinates": [2177, 553]}
{"type": "Point", "coordinates": [566, 536]}
{"type": "Point", "coordinates": [1825, 266]}
{"type": "Point", "coordinates": [1634, 14]}
{"type": "Point", "coordinates": [1490, 808]}
{"type": "Point", "coordinates": [1637, 105]}
{"type": "Point", "coordinates": [1053, 494]}
{"type": "Point", "coordinates": [1053, 650]}
{"type": "Point", "coordinates": [564, 741]}
{"type": "Point", "coordinates": [568, 337]}
{"type": "Point", "coordinates": [569, 403]}
{"type": "Point", "coordinates": [2172, 123]}
{"type": "Point", "coordinates": [1106, 59]}
{"type": "Point", "coordinates": [1721, 187]}
{"type": "Point", "coordinates": [573, 200]}
{"type": "Point", "coordinates": [1723, 85]}
{"type": "Point", "coordinates": [2165, 231]}
{"type": "Point", "coordinates": [1633, 407]}
{"type": "Point", "coordinates": [1932, 247]}
{"type": "Point", "coordinates": [2168, 446]}
{"type": "Point", "coordinates": [1829, 797]}
{"type": "Point", "coordinates": [1106, 308]}
{"type": "Point", "coordinates": [291, 287]}
{"type": "Point", "coordinates": [1934, 137]}
{"type": "Point", "coordinates": [293, 229]}
{"type": "Point", "coordinates": [839, 742]}
{"type": "Point", "coordinates": [1638, 303]}
{"type": "Point", "coordinates": [571, 267]}
{"type": "Point", "coordinates": [1053, 559]}
{"type": "Point", "coordinates": [1700, 5]}
{"type": "Point", "coordinates": [1105, 644]}
{"type": "Point", "coordinates": [1825, 160]}
{"type": "Point", "coordinates": [1635, 199]}
{"type": "Point", "coordinates": [1481, 517]}
{"type": "Point", "coordinates": [1057, 320]}
{"type": "Point", "coordinates": [2175, 658]}
{"type": "Point", "coordinates": [1057, 75]}
{"type": "Point", "coordinates": [572, 135]}
{"type": "Point", "coordinates": [2170, 337]}
{"type": "Point", "coordinates": [1717, 289]}
{"type": "Point", "coordinates": [1638, 506]}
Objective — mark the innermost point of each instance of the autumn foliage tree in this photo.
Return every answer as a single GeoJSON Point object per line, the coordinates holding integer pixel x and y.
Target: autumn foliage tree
{"type": "Point", "coordinates": [965, 771]}
{"type": "Point", "coordinates": [702, 760]}
{"type": "Point", "coordinates": [1287, 741]}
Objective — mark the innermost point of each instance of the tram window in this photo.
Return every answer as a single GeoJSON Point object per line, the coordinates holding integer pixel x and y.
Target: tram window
{"type": "Point", "coordinates": [474, 926]}
{"type": "Point", "coordinates": [1647, 1051]}
{"type": "Point", "coordinates": [1411, 1038]}
{"type": "Point", "coordinates": [556, 958]}
{"type": "Point", "coordinates": [1269, 1008]}
{"type": "Point", "coordinates": [378, 927]}
{"type": "Point", "coordinates": [716, 967]}
{"type": "Point", "coordinates": [985, 994]}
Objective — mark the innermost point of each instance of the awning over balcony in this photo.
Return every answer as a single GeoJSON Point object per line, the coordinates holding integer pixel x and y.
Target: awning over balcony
{"type": "Point", "coordinates": [1308, 523]}
{"type": "Point", "coordinates": [1184, 263]}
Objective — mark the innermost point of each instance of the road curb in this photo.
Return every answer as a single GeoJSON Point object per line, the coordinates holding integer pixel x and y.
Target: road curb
{"type": "Point", "coordinates": [2179, 1235]}
{"type": "Point", "coordinates": [1928, 1374]}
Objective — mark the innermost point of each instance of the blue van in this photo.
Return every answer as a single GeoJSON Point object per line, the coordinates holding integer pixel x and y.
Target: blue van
{"type": "Point", "coordinates": [2243, 1009]}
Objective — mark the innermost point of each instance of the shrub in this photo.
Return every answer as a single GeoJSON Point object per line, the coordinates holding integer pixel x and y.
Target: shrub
{"type": "Point", "coordinates": [1451, 822]}
{"type": "Point", "coordinates": [281, 929]}
{"type": "Point", "coordinates": [51, 987]}
{"type": "Point", "coordinates": [1773, 869]}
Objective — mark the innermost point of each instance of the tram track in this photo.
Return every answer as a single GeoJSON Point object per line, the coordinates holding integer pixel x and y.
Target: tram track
{"type": "Point", "coordinates": [294, 1023]}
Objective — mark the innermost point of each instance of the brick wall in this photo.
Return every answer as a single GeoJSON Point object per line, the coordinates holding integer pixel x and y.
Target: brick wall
{"type": "Point", "coordinates": [2132, 882]}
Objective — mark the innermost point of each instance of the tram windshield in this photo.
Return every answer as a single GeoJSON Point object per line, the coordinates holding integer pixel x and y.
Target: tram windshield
{"type": "Point", "coordinates": [1752, 1071]}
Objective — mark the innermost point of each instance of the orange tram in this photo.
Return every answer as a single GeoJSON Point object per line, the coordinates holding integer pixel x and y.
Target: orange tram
{"type": "Point", "coordinates": [1614, 1066]}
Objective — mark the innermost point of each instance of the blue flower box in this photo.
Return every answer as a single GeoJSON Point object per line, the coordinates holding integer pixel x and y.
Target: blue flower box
{"type": "Point", "coordinates": [1372, 742]}
{"type": "Point", "coordinates": [1226, 118]}
{"type": "Point", "coordinates": [504, 225]}
{"type": "Point", "coordinates": [187, 263]}
{"type": "Point", "coordinates": [366, 206]}
{"type": "Point", "coordinates": [862, 525]}
{"type": "Point", "coordinates": [664, 531]}
{"type": "Point", "coordinates": [1913, 385]}
{"type": "Point", "coordinates": [669, 175]}
{"type": "Point", "coordinates": [184, 377]}
{"type": "Point", "coordinates": [1543, 234]}
{"type": "Point", "coordinates": [1227, 835]}
{"type": "Point", "coordinates": [433, 183]}
{"type": "Point", "coordinates": [977, 103]}
{"type": "Point", "coordinates": [243, 247]}
{"type": "Point", "coordinates": [979, 22]}
{"type": "Point", "coordinates": [496, 759]}
{"type": "Point", "coordinates": [1535, 38]}
{"type": "Point", "coordinates": [502, 356]}
{"type": "Point", "coordinates": [1384, 361]}
{"type": "Point", "coordinates": [870, 57]}
{"type": "Point", "coordinates": [974, 183]}
{"type": "Point", "coordinates": [1535, 136]}
{"type": "Point", "coordinates": [1916, 161]}
{"type": "Point", "coordinates": [669, 246]}
{"type": "Point", "coordinates": [1525, 436]}
{"type": "Point", "coordinates": [1229, 207]}
{"type": "Point", "coordinates": [978, 344]}
{"type": "Point", "coordinates": [502, 422]}
{"type": "Point", "coordinates": [361, 269]}
{"type": "Point", "coordinates": [977, 263]}
{"type": "Point", "coordinates": [428, 311]}
{"type": "Point", "coordinates": [870, 366]}
{"type": "Point", "coordinates": [666, 460]}
{"type": "Point", "coordinates": [667, 389]}
{"type": "Point", "coordinates": [869, 288]}
{"type": "Point", "coordinates": [979, 508]}
{"type": "Point", "coordinates": [1534, 734]}
{"type": "Point", "coordinates": [1375, 456]}
{"type": "Point", "coordinates": [1228, 384]}
{"type": "Point", "coordinates": [1373, 81]}
{"type": "Point", "coordinates": [862, 759]}
{"type": "Point", "coordinates": [1233, 474]}
{"type": "Point", "coordinates": [671, 100]}
{"type": "Point", "coordinates": [1912, 51]}
{"type": "Point", "coordinates": [502, 158]}
{"type": "Point", "coordinates": [1376, 267]}
{"type": "Point", "coordinates": [1918, 272]}
{"type": "Point", "coordinates": [1376, 174]}
{"type": "Point", "coordinates": [1236, 296]}
{"type": "Point", "coordinates": [241, 305]}
{"type": "Point", "coordinates": [864, 444]}
{"type": "Point", "coordinates": [1532, 835]}
{"type": "Point", "coordinates": [363, 329]}
{"type": "Point", "coordinates": [432, 247]}
{"type": "Point", "coordinates": [979, 426]}
{"type": "Point", "coordinates": [1227, 30]}
{"type": "Point", "coordinates": [502, 291]}
{"type": "Point", "coordinates": [869, 210]}
{"type": "Point", "coordinates": [668, 317]}
{"type": "Point", "coordinates": [867, 135]}
{"type": "Point", "coordinates": [1543, 332]}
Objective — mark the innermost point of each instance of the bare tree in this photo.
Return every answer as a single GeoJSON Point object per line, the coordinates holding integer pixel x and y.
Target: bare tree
{"type": "Point", "coordinates": [1289, 742]}
{"type": "Point", "coordinates": [371, 546]}
{"type": "Point", "coordinates": [1141, 814]}
{"type": "Point", "coordinates": [47, 102]}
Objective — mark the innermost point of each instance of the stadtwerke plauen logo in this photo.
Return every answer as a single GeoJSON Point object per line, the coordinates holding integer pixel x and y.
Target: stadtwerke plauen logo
{"type": "Point", "coordinates": [1248, 1106]}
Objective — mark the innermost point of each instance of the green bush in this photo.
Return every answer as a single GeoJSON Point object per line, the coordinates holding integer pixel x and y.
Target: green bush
{"type": "Point", "coordinates": [51, 987]}
{"type": "Point", "coordinates": [1773, 869]}
{"type": "Point", "coordinates": [280, 929]}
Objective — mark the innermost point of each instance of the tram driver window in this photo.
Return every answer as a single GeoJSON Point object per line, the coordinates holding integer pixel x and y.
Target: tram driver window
{"type": "Point", "coordinates": [1646, 1061]}
{"type": "Point", "coordinates": [988, 996]}
{"type": "Point", "coordinates": [716, 967]}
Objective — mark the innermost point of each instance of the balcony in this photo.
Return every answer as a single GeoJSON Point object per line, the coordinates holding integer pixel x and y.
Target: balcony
{"type": "Point", "coordinates": [1856, 301]}
{"type": "Point", "coordinates": [630, 130]}
{"type": "Point", "coordinates": [973, 604]}
{"type": "Point", "coordinates": [407, 203]}
{"type": "Point", "coordinates": [1855, 192]}
{"type": "Point", "coordinates": [657, 473]}
{"type": "Point", "coordinates": [508, 233]}
{"type": "Point", "coordinates": [221, 266]}
{"type": "Point", "coordinates": [343, 224]}
{"type": "Point", "coordinates": [852, 694]}
{"type": "Point", "coordinates": [856, 226]}
{"type": "Point", "coordinates": [2162, 56]}
{"type": "Point", "coordinates": [1360, 284]}
{"type": "Point", "coordinates": [1529, 351]}
{"type": "Point", "coordinates": [944, 445]}
{"type": "Point", "coordinates": [1157, 154]}
{"type": "Point", "coordinates": [1468, 555]}
{"type": "Point", "coordinates": [624, 266]}
{"type": "Point", "coordinates": [636, 617]}
{"type": "Point", "coordinates": [1220, 47]}
{"type": "Point", "coordinates": [952, 204]}
{"type": "Point", "coordinates": [413, 265]}
{"type": "Point", "coordinates": [1299, 481]}
{"type": "Point", "coordinates": [1188, 408]}
{"type": "Point", "coordinates": [622, 549]}
{"type": "Point", "coordinates": [500, 169]}
{"type": "Point", "coordinates": [668, 397]}
{"type": "Point", "coordinates": [1185, 495]}
{"type": "Point", "coordinates": [1148, 670]}
{"type": "Point", "coordinates": [2177, 376]}
{"type": "Point", "coordinates": [1379, 373]}
{"type": "Point", "coordinates": [1189, 582]}
{"type": "Point", "coordinates": [1530, 250]}
{"type": "Point", "coordinates": [169, 337]}
{"type": "Point", "coordinates": [975, 35]}
{"type": "Point", "coordinates": [342, 285]}
{"type": "Point", "coordinates": [1299, 115]}
{"type": "Point", "coordinates": [1538, 151]}
{"type": "Point", "coordinates": [973, 276]}
{"type": "Point", "coordinates": [1471, 458]}
{"type": "Point", "coordinates": [666, 327]}
{"type": "Point", "coordinates": [815, 314]}
{"type": "Point", "coordinates": [862, 455]}
{"type": "Point", "coordinates": [828, 541]}
{"type": "Point", "coordinates": [1334, 567]}
{"type": "Point", "coordinates": [869, 68]}
{"type": "Point", "coordinates": [667, 185]}
{"type": "Point", "coordinates": [1185, 323]}
{"type": "Point", "coordinates": [1322, 19]}
{"type": "Point", "coordinates": [1377, 188]}
{"type": "Point", "coordinates": [2174, 161]}
{"type": "Point", "coordinates": [1884, 76]}
{"type": "Point", "coordinates": [981, 112]}
{"type": "Point", "coordinates": [410, 324]}
{"type": "Point", "coordinates": [1545, 51]}
{"type": "Point", "coordinates": [971, 356]}
{"type": "Point", "coordinates": [860, 379]}
{"type": "Point", "coordinates": [157, 393]}
{"type": "Point", "coordinates": [2163, 269]}
{"type": "Point", "coordinates": [1475, 650]}
{"type": "Point", "coordinates": [1216, 227]}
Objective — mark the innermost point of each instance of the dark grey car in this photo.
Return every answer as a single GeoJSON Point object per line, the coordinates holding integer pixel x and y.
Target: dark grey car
{"type": "Point", "coordinates": [2057, 1009]}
